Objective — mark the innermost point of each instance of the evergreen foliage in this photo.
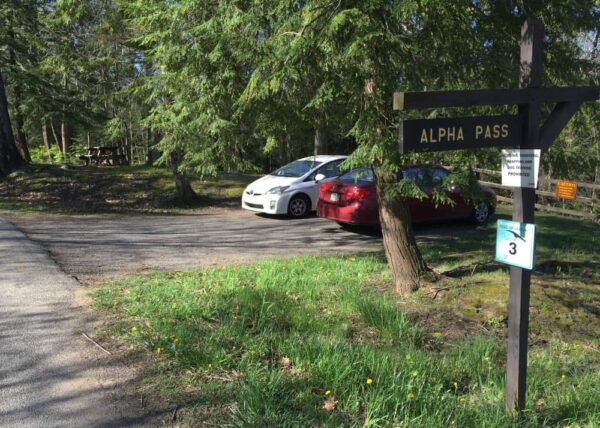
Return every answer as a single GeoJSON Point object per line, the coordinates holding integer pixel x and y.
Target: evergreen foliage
{"type": "Point", "coordinates": [242, 85]}
{"type": "Point", "coordinates": [232, 83]}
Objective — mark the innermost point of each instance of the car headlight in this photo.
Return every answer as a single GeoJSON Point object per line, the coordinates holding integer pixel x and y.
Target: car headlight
{"type": "Point", "coordinates": [277, 190]}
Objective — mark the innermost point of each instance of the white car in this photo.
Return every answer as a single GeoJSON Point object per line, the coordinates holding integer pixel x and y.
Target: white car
{"type": "Point", "coordinates": [293, 189]}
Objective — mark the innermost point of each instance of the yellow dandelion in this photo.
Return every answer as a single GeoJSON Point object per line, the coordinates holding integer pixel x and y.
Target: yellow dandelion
{"type": "Point", "coordinates": [563, 376]}
{"type": "Point", "coordinates": [174, 305]}
{"type": "Point", "coordinates": [369, 381]}
{"type": "Point", "coordinates": [328, 392]}
{"type": "Point", "coordinates": [158, 350]}
{"type": "Point", "coordinates": [410, 396]}
{"type": "Point", "coordinates": [462, 398]}
{"type": "Point", "coordinates": [134, 329]}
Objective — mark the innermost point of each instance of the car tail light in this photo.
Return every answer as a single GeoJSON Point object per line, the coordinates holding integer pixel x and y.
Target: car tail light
{"type": "Point", "coordinates": [325, 188]}
{"type": "Point", "coordinates": [356, 193]}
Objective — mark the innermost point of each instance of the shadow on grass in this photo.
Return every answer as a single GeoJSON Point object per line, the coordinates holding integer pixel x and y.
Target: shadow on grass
{"type": "Point", "coordinates": [102, 189]}
{"type": "Point", "coordinates": [557, 233]}
{"type": "Point", "coordinates": [564, 246]}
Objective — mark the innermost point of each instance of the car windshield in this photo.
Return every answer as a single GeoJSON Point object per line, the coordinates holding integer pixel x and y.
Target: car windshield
{"type": "Point", "coordinates": [365, 174]}
{"type": "Point", "coordinates": [296, 169]}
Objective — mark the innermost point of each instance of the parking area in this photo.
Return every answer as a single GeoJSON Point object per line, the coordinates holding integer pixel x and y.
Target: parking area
{"type": "Point", "coordinates": [96, 247]}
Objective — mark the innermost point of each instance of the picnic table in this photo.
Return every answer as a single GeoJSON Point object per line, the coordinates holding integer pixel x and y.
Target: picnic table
{"type": "Point", "coordinates": [104, 156]}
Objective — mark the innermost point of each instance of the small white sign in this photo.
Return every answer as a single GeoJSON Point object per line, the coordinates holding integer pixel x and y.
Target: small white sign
{"type": "Point", "coordinates": [515, 243]}
{"type": "Point", "coordinates": [520, 167]}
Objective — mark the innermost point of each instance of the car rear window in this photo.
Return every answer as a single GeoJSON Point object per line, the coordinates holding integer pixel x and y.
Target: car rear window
{"type": "Point", "coordinates": [425, 176]}
{"type": "Point", "coordinates": [365, 174]}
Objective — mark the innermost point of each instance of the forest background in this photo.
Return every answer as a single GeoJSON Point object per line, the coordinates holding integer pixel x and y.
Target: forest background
{"type": "Point", "coordinates": [250, 85]}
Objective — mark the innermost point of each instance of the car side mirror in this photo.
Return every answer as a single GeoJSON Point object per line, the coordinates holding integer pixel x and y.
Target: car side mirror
{"type": "Point", "coordinates": [320, 177]}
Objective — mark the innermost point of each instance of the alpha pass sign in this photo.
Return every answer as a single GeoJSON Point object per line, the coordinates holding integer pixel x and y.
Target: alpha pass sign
{"type": "Point", "coordinates": [434, 135]}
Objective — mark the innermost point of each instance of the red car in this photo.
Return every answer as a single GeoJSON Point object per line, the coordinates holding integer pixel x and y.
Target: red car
{"type": "Point", "coordinates": [352, 199]}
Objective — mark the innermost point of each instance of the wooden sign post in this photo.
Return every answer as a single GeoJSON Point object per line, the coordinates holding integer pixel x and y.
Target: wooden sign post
{"type": "Point", "coordinates": [523, 132]}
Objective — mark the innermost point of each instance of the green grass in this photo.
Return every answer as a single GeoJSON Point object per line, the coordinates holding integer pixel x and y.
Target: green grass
{"type": "Point", "coordinates": [120, 189]}
{"type": "Point", "coordinates": [270, 344]}
{"type": "Point", "coordinates": [565, 292]}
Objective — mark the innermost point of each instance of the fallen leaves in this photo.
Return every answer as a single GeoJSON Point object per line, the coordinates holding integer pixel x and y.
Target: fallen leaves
{"type": "Point", "coordinates": [286, 367]}
{"type": "Point", "coordinates": [330, 403]}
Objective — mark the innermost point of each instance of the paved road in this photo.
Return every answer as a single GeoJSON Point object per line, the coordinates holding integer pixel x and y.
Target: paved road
{"type": "Point", "coordinates": [50, 375]}
{"type": "Point", "coordinates": [88, 247]}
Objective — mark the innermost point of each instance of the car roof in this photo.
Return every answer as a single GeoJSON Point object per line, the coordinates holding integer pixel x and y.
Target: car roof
{"type": "Point", "coordinates": [324, 158]}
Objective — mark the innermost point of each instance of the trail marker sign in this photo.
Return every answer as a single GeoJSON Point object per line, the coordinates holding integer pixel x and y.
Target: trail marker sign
{"type": "Point", "coordinates": [515, 243]}
{"type": "Point", "coordinates": [419, 136]}
{"type": "Point", "coordinates": [520, 168]}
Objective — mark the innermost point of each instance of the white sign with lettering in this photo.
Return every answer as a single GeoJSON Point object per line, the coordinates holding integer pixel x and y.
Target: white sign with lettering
{"type": "Point", "coordinates": [520, 167]}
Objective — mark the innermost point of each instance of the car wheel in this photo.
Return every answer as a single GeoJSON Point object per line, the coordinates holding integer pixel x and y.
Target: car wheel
{"type": "Point", "coordinates": [298, 206]}
{"type": "Point", "coordinates": [481, 212]}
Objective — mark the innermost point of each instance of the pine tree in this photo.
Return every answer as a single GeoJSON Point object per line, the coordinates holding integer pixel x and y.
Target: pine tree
{"type": "Point", "coordinates": [10, 158]}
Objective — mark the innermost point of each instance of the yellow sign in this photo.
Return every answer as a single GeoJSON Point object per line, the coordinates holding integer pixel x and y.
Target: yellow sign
{"type": "Point", "coordinates": [566, 189]}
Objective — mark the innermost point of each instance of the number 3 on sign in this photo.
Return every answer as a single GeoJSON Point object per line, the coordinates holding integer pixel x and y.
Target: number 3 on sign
{"type": "Point", "coordinates": [515, 243]}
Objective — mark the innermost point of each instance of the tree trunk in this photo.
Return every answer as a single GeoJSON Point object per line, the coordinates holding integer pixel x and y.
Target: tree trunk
{"type": "Point", "coordinates": [46, 141]}
{"type": "Point", "coordinates": [124, 144]}
{"type": "Point", "coordinates": [404, 258]}
{"type": "Point", "coordinates": [184, 189]}
{"type": "Point", "coordinates": [129, 153]}
{"type": "Point", "coordinates": [10, 158]}
{"type": "Point", "coordinates": [149, 160]}
{"type": "Point", "coordinates": [597, 171]}
{"type": "Point", "coordinates": [65, 138]}
{"type": "Point", "coordinates": [282, 154]}
{"type": "Point", "coordinates": [21, 137]}
{"type": "Point", "coordinates": [321, 140]}
{"type": "Point", "coordinates": [56, 140]}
